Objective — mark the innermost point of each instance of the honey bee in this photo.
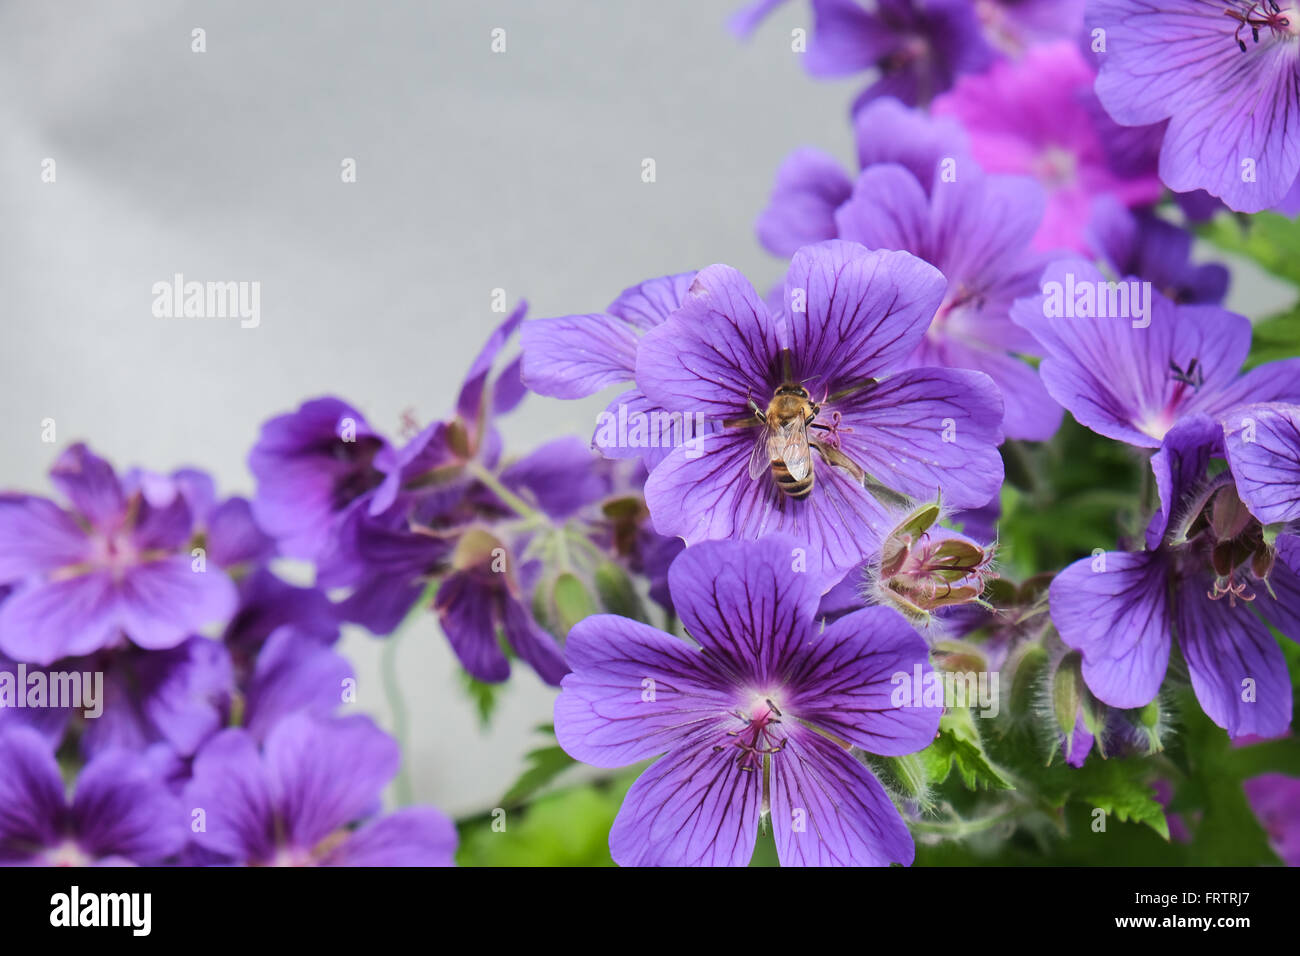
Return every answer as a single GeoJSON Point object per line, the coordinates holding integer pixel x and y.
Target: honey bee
{"type": "Point", "coordinates": [784, 447]}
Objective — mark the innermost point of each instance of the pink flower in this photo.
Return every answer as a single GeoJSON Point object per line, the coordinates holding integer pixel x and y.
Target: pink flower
{"type": "Point", "coordinates": [1038, 116]}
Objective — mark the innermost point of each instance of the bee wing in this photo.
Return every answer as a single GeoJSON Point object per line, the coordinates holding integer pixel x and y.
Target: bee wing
{"type": "Point", "coordinates": [760, 460]}
{"type": "Point", "coordinates": [790, 444]}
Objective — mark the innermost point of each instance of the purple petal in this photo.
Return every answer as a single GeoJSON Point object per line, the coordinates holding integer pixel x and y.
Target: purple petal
{"type": "Point", "coordinates": [1279, 603]}
{"type": "Point", "coordinates": [714, 354]}
{"type": "Point", "coordinates": [167, 527]}
{"type": "Point", "coordinates": [509, 389]}
{"type": "Point", "coordinates": [649, 303]}
{"type": "Point", "coordinates": [1274, 798]}
{"type": "Point", "coordinates": [465, 611]}
{"type": "Point", "coordinates": [469, 402]}
{"type": "Point", "coordinates": [563, 476]}
{"type": "Point", "coordinates": [307, 472]}
{"type": "Point", "coordinates": [577, 355]}
{"type": "Point", "coordinates": [161, 603]}
{"type": "Point", "coordinates": [326, 774]}
{"type": "Point", "coordinates": [1116, 378]}
{"type": "Point", "coordinates": [829, 810]}
{"type": "Point", "coordinates": [1078, 744]}
{"type": "Point", "coordinates": [865, 312]}
{"type": "Point", "coordinates": [889, 209]}
{"type": "Point", "coordinates": [123, 808]}
{"type": "Point", "coordinates": [428, 450]}
{"type": "Point", "coordinates": [294, 673]}
{"type": "Point", "coordinates": [90, 483]}
{"type": "Point", "coordinates": [748, 604]}
{"type": "Point", "coordinates": [44, 622]}
{"type": "Point", "coordinates": [31, 793]}
{"type": "Point", "coordinates": [266, 603]}
{"type": "Point", "coordinates": [846, 39]}
{"type": "Point", "coordinates": [746, 20]}
{"type": "Point", "coordinates": [36, 537]}
{"type": "Point", "coordinates": [1180, 62]}
{"type": "Point", "coordinates": [416, 836]}
{"type": "Point", "coordinates": [1237, 669]}
{"type": "Point", "coordinates": [1030, 414]}
{"type": "Point", "coordinates": [380, 601]}
{"type": "Point", "coordinates": [234, 537]}
{"type": "Point", "coordinates": [50, 722]}
{"type": "Point", "coordinates": [533, 645]}
{"type": "Point", "coordinates": [1272, 382]}
{"type": "Point", "coordinates": [928, 430]}
{"type": "Point", "coordinates": [185, 693]}
{"type": "Point", "coordinates": [197, 488]}
{"type": "Point", "coordinates": [633, 694]}
{"type": "Point", "coordinates": [1118, 617]}
{"type": "Point", "coordinates": [230, 785]}
{"type": "Point", "coordinates": [889, 132]}
{"type": "Point", "coordinates": [810, 186]}
{"type": "Point", "coordinates": [845, 681]}
{"type": "Point", "coordinates": [1179, 467]}
{"type": "Point", "coordinates": [692, 807]}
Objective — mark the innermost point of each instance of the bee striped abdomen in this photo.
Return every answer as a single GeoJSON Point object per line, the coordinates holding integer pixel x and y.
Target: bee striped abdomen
{"type": "Point", "coordinates": [796, 488]}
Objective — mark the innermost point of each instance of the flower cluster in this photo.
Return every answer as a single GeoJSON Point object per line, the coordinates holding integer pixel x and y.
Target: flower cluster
{"type": "Point", "coordinates": [813, 561]}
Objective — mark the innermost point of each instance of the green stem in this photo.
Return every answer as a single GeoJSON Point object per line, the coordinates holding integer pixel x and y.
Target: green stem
{"type": "Point", "coordinates": [397, 705]}
{"type": "Point", "coordinates": [961, 828]}
{"type": "Point", "coordinates": [517, 504]}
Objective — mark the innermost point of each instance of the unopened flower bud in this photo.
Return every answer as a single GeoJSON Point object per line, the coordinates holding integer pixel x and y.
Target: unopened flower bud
{"type": "Point", "coordinates": [924, 567]}
{"type": "Point", "coordinates": [617, 593]}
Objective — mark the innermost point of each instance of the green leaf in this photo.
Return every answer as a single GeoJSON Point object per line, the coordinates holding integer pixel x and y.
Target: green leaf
{"type": "Point", "coordinates": [544, 765]}
{"type": "Point", "coordinates": [485, 697]}
{"type": "Point", "coordinates": [1109, 785]}
{"type": "Point", "coordinates": [1269, 239]}
{"type": "Point", "coordinates": [959, 746]}
{"type": "Point", "coordinates": [1276, 337]}
{"type": "Point", "coordinates": [567, 828]}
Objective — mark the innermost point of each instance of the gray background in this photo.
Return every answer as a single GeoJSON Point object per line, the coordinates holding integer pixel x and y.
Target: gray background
{"type": "Point", "coordinates": [476, 170]}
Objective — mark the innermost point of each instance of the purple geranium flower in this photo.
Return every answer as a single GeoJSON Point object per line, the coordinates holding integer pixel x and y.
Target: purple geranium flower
{"type": "Point", "coordinates": [918, 47]}
{"type": "Point", "coordinates": [311, 466]}
{"type": "Point", "coordinates": [485, 595]}
{"type": "Point", "coordinates": [1037, 117]}
{"type": "Point", "coordinates": [854, 317]}
{"type": "Point", "coordinates": [976, 230]}
{"type": "Point", "coordinates": [1133, 376]}
{"type": "Point", "coordinates": [1226, 76]}
{"type": "Point", "coordinates": [122, 811]}
{"type": "Point", "coordinates": [1210, 577]}
{"type": "Point", "coordinates": [292, 802]}
{"type": "Point", "coordinates": [115, 568]}
{"type": "Point", "coordinates": [759, 720]}
{"type": "Point", "coordinates": [1142, 244]}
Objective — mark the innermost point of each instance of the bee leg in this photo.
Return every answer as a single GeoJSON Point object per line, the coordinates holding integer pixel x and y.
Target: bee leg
{"type": "Point", "coordinates": [833, 456]}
